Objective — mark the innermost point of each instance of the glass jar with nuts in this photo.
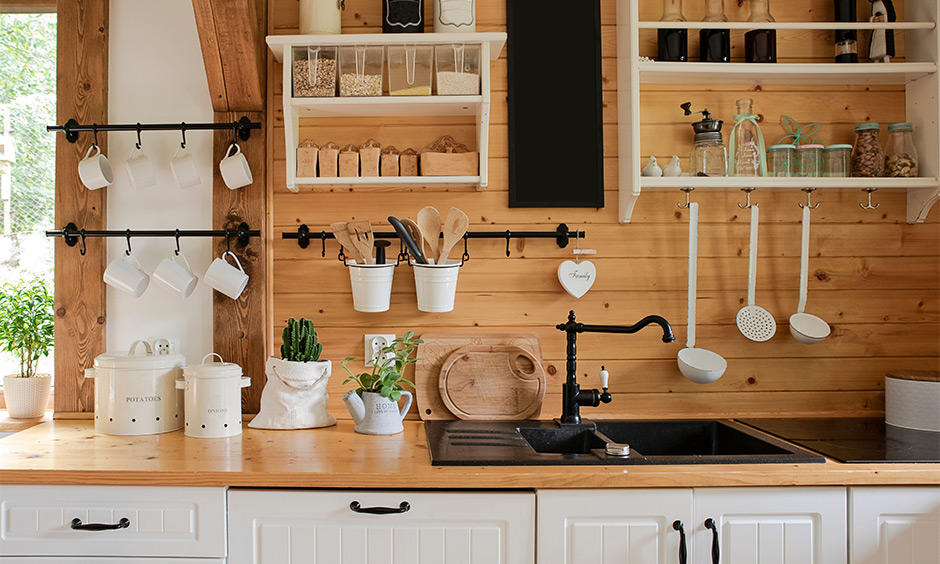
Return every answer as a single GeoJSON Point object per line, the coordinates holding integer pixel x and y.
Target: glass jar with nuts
{"type": "Point", "coordinates": [868, 158]}
{"type": "Point", "coordinates": [902, 156]}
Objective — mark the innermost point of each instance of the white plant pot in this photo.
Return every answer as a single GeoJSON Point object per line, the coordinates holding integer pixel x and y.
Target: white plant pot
{"type": "Point", "coordinates": [27, 398]}
{"type": "Point", "coordinates": [295, 395]}
{"type": "Point", "coordinates": [376, 415]}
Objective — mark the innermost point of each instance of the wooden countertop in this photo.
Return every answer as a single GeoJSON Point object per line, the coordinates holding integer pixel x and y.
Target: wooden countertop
{"type": "Point", "coordinates": [69, 452]}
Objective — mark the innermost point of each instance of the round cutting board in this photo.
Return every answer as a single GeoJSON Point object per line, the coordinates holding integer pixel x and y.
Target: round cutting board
{"type": "Point", "coordinates": [494, 382]}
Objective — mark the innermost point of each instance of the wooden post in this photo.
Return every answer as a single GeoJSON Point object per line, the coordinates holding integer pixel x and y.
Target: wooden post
{"type": "Point", "coordinates": [82, 94]}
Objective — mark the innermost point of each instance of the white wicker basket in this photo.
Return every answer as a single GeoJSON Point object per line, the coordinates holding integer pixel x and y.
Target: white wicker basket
{"type": "Point", "coordinates": [27, 397]}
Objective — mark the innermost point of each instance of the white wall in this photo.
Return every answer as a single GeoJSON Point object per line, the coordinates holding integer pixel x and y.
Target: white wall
{"type": "Point", "coordinates": [157, 76]}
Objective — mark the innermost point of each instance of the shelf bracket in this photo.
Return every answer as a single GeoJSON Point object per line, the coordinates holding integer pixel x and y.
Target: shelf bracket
{"type": "Point", "coordinates": [920, 201]}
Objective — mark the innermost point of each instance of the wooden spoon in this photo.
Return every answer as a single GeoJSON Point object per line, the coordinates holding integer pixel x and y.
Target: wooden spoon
{"type": "Point", "coordinates": [341, 232]}
{"type": "Point", "coordinates": [362, 238]}
{"type": "Point", "coordinates": [455, 226]}
{"type": "Point", "coordinates": [429, 221]}
{"type": "Point", "coordinates": [412, 228]}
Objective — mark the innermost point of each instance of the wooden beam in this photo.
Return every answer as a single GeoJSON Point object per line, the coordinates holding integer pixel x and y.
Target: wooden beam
{"type": "Point", "coordinates": [231, 35]}
{"type": "Point", "coordinates": [27, 6]}
{"type": "Point", "coordinates": [82, 94]}
{"type": "Point", "coordinates": [240, 326]}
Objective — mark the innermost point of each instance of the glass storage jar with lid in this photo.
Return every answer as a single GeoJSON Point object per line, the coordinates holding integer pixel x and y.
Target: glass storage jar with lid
{"type": "Point", "coordinates": [808, 159]}
{"type": "Point", "coordinates": [902, 156]}
{"type": "Point", "coordinates": [709, 155]}
{"type": "Point", "coordinates": [868, 158]}
{"type": "Point", "coordinates": [780, 160]}
{"type": "Point", "coordinates": [837, 161]}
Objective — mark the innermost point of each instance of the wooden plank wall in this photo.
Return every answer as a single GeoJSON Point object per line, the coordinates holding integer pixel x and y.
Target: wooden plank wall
{"type": "Point", "coordinates": [874, 278]}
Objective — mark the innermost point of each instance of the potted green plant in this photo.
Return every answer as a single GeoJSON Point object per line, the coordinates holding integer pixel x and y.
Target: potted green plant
{"type": "Point", "coordinates": [374, 403]}
{"type": "Point", "coordinates": [26, 331]}
{"type": "Point", "coordinates": [295, 396]}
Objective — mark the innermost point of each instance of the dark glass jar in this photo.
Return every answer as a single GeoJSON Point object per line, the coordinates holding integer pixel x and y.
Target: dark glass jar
{"type": "Point", "coordinates": [715, 44]}
{"type": "Point", "coordinates": [672, 44]}
{"type": "Point", "coordinates": [760, 45]}
{"type": "Point", "coordinates": [846, 40]}
{"type": "Point", "coordinates": [402, 16]}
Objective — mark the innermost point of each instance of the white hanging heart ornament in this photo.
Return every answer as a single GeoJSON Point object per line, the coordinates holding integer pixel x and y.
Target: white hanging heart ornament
{"type": "Point", "coordinates": [577, 277]}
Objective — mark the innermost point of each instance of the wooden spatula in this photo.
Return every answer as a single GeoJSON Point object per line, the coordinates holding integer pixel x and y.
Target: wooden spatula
{"type": "Point", "coordinates": [455, 225]}
{"type": "Point", "coordinates": [341, 232]}
{"type": "Point", "coordinates": [429, 221]}
{"type": "Point", "coordinates": [361, 234]}
{"type": "Point", "coordinates": [412, 228]}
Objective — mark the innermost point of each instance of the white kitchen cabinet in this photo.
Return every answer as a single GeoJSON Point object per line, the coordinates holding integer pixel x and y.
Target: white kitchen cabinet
{"type": "Point", "coordinates": [755, 525]}
{"type": "Point", "coordinates": [894, 525]}
{"type": "Point", "coordinates": [320, 527]}
{"type": "Point", "coordinates": [612, 526]}
{"type": "Point", "coordinates": [160, 522]}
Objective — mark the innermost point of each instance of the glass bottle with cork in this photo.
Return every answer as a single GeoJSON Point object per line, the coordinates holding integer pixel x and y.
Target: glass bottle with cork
{"type": "Point", "coordinates": [715, 44]}
{"type": "Point", "coordinates": [760, 45]}
{"type": "Point", "coordinates": [673, 44]}
{"type": "Point", "coordinates": [709, 156]}
{"type": "Point", "coordinates": [747, 142]}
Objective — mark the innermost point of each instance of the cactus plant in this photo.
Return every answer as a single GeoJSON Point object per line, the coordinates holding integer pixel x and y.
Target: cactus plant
{"type": "Point", "coordinates": [300, 341]}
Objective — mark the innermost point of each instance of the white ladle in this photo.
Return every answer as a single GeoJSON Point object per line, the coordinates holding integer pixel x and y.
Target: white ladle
{"type": "Point", "coordinates": [699, 365]}
{"type": "Point", "coordinates": [755, 322]}
{"type": "Point", "coordinates": [806, 328]}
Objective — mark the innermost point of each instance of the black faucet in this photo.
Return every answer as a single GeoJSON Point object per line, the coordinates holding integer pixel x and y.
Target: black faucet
{"type": "Point", "coordinates": [572, 396]}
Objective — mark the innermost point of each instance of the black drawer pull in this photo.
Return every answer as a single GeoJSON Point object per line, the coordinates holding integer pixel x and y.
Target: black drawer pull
{"type": "Point", "coordinates": [710, 524]}
{"type": "Point", "coordinates": [402, 508]}
{"type": "Point", "coordinates": [683, 551]}
{"type": "Point", "coordinates": [122, 524]}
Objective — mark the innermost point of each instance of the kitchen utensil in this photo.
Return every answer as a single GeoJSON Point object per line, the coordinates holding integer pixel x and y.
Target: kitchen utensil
{"type": "Point", "coordinates": [911, 399]}
{"type": "Point", "coordinates": [95, 170]}
{"type": "Point", "coordinates": [413, 230]}
{"type": "Point", "coordinates": [126, 274]}
{"type": "Point", "coordinates": [234, 168]}
{"type": "Point", "coordinates": [135, 394]}
{"type": "Point", "coordinates": [361, 234]}
{"type": "Point", "coordinates": [213, 398]}
{"type": "Point", "coordinates": [455, 226]}
{"type": "Point", "coordinates": [806, 328]}
{"type": "Point", "coordinates": [755, 322]}
{"type": "Point", "coordinates": [343, 237]}
{"type": "Point", "coordinates": [176, 276]}
{"type": "Point", "coordinates": [226, 278]}
{"type": "Point", "coordinates": [438, 347]}
{"type": "Point", "coordinates": [409, 242]}
{"type": "Point", "coordinates": [140, 169]}
{"type": "Point", "coordinates": [436, 286]}
{"type": "Point", "coordinates": [380, 251]}
{"type": "Point", "coordinates": [492, 382]}
{"type": "Point", "coordinates": [702, 366]}
{"type": "Point", "coordinates": [429, 221]}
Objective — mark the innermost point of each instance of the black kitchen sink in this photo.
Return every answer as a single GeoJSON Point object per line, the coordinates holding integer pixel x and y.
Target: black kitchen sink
{"type": "Point", "coordinates": [509, 443]}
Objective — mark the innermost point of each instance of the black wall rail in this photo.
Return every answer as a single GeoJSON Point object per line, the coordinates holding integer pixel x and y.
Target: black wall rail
{"type": "Point", "coordinates": [242, 128]}
{"type": "Point", "coordinates": [561, 235]}
{"type": "Point", "coordinates": [72, 234]}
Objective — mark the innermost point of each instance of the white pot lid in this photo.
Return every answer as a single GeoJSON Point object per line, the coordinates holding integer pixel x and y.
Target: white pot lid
{"type": "Point", "coordinates": [140, 358]}
{"type": "Point", "coordinates": [219, 369]}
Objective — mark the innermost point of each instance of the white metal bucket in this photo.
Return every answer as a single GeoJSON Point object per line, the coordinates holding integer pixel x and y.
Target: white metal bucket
{"type": "Point", "coordinates": [436, 286]}
{"type": "Point", "coordinates": [371, 286]}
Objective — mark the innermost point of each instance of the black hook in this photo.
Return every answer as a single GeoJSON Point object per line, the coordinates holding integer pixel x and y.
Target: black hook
{"type": "Point", "coordinates": [177, 251]}
{"type": "Point", "coordinates": [82, 250]}
{"type": "Point", "coordinates": [94, 130]}
{"type": "Point", "coordinates": [138, 135]}
{"type": "Point", "coordinates": [183, 131]}
{"type": "Point", "coordinates": [508, 237]}
{"type": "Point", "coordinates": [341, 257]}
{"type": "Point", "coordinates": [228, 241]}
{"type": "Point", "coordinates": [235, 133]}
{"type": "Point", "coordinates": [128, 234]}
{"type": "Point", "coordinates": [466, 256]}
{"type": "Point", "coordinates": [323, 243]}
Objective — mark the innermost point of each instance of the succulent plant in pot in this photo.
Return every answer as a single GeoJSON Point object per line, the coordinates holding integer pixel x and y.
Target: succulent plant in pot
{"type": "Point", "coordinates": [295, 395]}
{"type": "Point", "coordinates": [374, 403]}
{"type": "Point", "coordinates": [26, 331]}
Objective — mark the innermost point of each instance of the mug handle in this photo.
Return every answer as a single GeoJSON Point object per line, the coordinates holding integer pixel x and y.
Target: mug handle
{"type": "Point", "coordinates": [133, 149]}
{"type": "Point", "coordinates": [93, 148]}
{"type": "Point", "coordinates": [408, 399]}
{"type": "Point", "coordinates": [181, 384]}
{"type": "Point", "coordinates": [234, 256]}
{"type": "Point", "coordinates": [185, 261]}
{"type": "Point", "coordinates": [212, 354]}
{"type": "Point", "coordinates": [133, 350]}
{"type": "Point", "coordinates": [229, 152]}
{"type": "Point", "coordinates": [136, 262]}
{"type": "Point", "coordinates": [245, 382]}
{"type": "Point", "coordinates": [177, 153]}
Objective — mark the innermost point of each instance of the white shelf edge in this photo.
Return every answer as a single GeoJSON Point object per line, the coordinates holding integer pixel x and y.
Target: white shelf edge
{"type": "Point", "coordinates": [823, 26]}
{"type": "Point", "coordinates": [736, 183]}
{"type": "Point", "coordinates": [277, 43]}
{"type": "Point", "coordinates": [791, 73]}
{"type": "Point", "coordinates": [389, 106]}
{"type": "Point", "coordinates": [301, 182]}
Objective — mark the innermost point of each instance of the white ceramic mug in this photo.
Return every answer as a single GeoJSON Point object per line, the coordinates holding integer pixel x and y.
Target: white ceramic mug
{"type": "Point", "coordinates": [140, 169]}
{"type": "Point", "coordinates": [234, 168]}
{"type": "Point", "coordinates": [95, 170]}
{"type": "Point", "coordinates": [126, 274]}
{"type": "Point", "coordinates": [176, 276]}
{"type": "Point", "coordinates": [225, 278]}
{"type": "Point", "coordinates": [183, 166]}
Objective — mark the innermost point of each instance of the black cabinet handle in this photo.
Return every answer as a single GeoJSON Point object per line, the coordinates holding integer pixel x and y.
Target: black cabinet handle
{"type": "Point", "coordinates": [78, 526]}
{"type": "Point", "coordinates": [710, 524]}
{"type": "Point", "coordinates": [683, 551]}
{"type": "Point", "coordinates": [402, 508]}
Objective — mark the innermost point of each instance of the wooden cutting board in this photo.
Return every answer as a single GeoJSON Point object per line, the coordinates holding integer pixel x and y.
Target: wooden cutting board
{"type": "Point", "coordinates": [439, 347]}
{"type": "Point", "coordinates": [492, 382]}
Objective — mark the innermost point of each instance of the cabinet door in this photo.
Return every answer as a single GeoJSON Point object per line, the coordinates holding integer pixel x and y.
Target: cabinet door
{"type": "Point", "coordinates": [771, 525]}
{"type": "Point", "coordinates": [317, 527]}
{"type": "Point", "coordinates": [612, 526]}
{"type": "Point", "coordinates": [894, 525]}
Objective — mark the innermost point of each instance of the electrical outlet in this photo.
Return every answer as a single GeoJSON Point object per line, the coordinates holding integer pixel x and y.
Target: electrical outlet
{"type": "Point", "coordinates": [374, 344]}
{"type": "Point", "coordinates": [164, 346]}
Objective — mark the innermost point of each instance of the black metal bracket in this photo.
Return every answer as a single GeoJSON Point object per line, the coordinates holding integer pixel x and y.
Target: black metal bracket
{"type": "Point", "coordinates": [72, 234]}
{"type": "Point", "coordinates": [242, 128]}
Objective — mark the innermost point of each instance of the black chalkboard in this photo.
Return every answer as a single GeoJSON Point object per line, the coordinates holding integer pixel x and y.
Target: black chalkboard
{"type": "Point", "coordinates": [556, 136]}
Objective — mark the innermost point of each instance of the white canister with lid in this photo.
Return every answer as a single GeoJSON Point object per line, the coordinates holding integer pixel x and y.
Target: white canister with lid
{"type": "Point", "coordinates": [135, 392]}
{"type": "Point", "coordinates": [213, 398]}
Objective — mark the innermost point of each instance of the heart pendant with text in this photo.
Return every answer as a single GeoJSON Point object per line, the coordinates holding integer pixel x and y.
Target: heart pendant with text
{"type": "Point", "coordinates": [577, 278]}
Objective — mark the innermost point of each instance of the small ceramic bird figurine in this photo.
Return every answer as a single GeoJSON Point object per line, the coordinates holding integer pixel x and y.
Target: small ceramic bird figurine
{"type": "Point", "coordinates": [673, 168]}
{"type": "Point", "coordinates": [651, 168]}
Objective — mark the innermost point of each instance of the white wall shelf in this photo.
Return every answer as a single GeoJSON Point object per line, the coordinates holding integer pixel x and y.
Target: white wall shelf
{"type": "Point", "coordinates": [476, 107]}
{"type": "Point", "coordinates": [918, 74]}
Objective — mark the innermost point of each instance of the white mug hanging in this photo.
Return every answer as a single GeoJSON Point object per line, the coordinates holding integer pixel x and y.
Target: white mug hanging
{"type": "Point", "coordinates": [577, 277]}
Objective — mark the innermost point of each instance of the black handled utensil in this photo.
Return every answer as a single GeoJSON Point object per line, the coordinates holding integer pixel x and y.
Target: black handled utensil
{"type": "Point", "coordinates": [406, 238]}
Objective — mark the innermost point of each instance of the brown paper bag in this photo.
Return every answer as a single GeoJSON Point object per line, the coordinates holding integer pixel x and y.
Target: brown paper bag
{"type": "Point", "coordinates": [349, 161]}
{"type": "Point", "coordinates": [307, 159]}
{"type": "Point", "coordinates": [328, 155]}
{"type": "Point", "coordinates": [369, 158]}
{"type": "Point", "coordinates": [390, 161]}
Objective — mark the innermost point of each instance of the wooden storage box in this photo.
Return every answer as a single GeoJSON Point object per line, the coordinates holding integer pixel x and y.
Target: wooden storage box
{"type": "Point", "coordinates": [450, 164]}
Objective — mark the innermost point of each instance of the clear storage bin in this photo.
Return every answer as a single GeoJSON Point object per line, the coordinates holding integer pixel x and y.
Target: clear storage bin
{"type": "Point", "coordinates": [837, 161]}
{"type": "Point", "coordinates": [360, 69]}
{"type": "Point", "coordinates": [409, 70]}
{"type": "Point", "coordinates": [314, 72]}
{"type": "Point", "coordinates": [458, 70]}
{"type": "Point", "coordinates": [780, 160]}
{"type": "Point", "coordinates": [808, 159]}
